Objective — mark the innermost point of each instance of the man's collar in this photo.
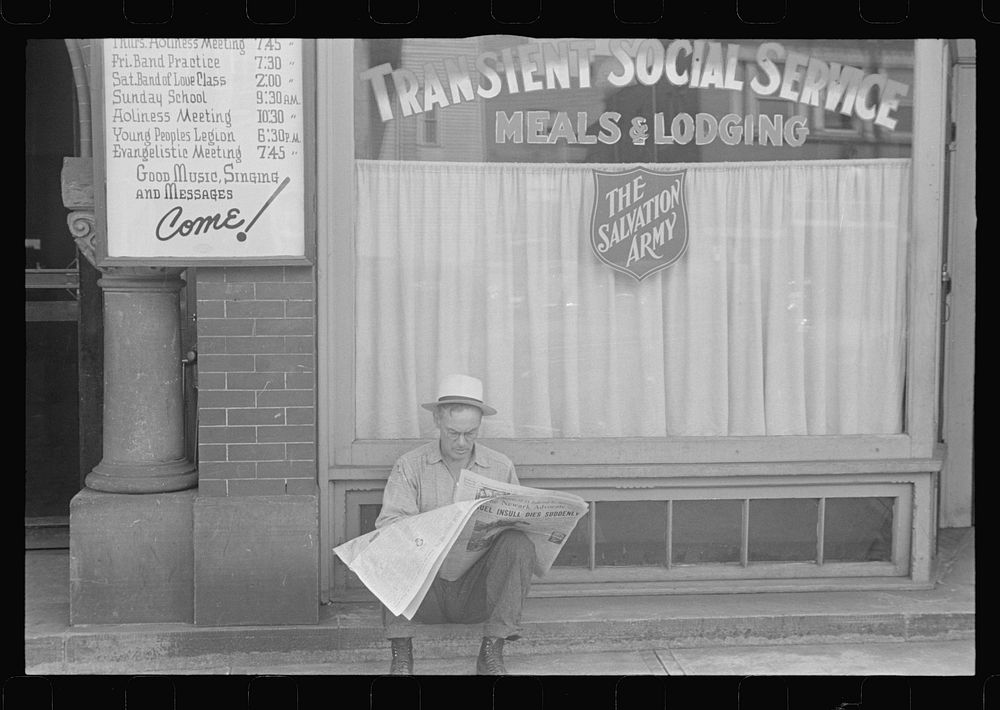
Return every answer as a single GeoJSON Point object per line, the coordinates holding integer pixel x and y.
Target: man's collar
{"type": "Point", "coordinates": [434, 455]}
{"type": "Point", "coordinates": [434, 452]}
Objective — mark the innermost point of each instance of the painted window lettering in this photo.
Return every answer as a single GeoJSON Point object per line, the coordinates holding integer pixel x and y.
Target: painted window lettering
{"type": "Point", "coordinates": [698, 64]}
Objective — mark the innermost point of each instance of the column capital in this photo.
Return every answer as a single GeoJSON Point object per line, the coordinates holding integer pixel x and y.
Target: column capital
{"type": "Point", "coordinates": [77, 185]}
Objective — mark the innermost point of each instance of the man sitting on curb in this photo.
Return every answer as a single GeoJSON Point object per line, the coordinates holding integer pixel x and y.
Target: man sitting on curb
{"type": "Point", "coordinates": [492, 592]}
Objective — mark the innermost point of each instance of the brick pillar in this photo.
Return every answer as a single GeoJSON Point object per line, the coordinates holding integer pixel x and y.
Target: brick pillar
{"type": "Point", "coordinates": [257, 516]}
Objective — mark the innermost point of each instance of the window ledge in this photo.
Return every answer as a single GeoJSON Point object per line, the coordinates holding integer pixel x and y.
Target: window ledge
{"type": "Point", "coordinates": [712, 471]}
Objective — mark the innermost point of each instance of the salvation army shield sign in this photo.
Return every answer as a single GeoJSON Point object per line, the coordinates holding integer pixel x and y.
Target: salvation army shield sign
{"type": "Point", "coordinates": [639, 222]}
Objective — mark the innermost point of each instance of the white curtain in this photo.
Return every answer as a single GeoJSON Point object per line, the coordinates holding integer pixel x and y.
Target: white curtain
{"type": "Point", "coordinates": [785, 315]}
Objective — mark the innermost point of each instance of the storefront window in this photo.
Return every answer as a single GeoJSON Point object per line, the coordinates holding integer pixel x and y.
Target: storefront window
{"type": "Point", "coordinates": [858, 530]}
{"type": "Point", "coordinates": [738, 531]}
{"type": "Point", "coordinates": [749, 281]}
{"type": "Point", "coordinates": [576, 549]}
{"type": "Point", "coordinates": [783, 530]}
{"type": "Point", "coordinates": [706, 531]}
{"type": "Point", "coordinates": [631, 533]}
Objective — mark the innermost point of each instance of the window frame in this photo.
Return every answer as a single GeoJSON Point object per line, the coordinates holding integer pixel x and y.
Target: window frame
{"type": "Point", "coordinates": [910, 486]}
{"type": "Point", "coordinates": [344, 457]}
{"type": "Point", "coordinates": [919, 433]}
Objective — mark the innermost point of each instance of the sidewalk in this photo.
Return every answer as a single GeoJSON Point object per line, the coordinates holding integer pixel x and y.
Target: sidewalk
{"type": "Point", "coordinates": [907, 658]}
{"type": "Point", "coordinates": [927, 632]}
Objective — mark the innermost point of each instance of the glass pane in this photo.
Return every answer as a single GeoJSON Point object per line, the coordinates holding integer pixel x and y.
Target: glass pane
{"type": "Point", "coordinates": [503, 98]}
{"type": "Point", "coordinates": [503, 231]}
{"type": "Point", "coordinates": [783, 530]}
{"type": "Point", "coordinates": [576, 550]}
{"type": "Point", "coordinates": [836, 121]}
{"type": "Point", "coordinates": [369, 514]}
{"type": "Point", "coordinates": [904, 119]}
{"type": "Point", "coordinates": [631, 533]}
{"type": "Point", "coordinates": [706, 531]}
{"type": "Point", "coordinates": [858, 530]}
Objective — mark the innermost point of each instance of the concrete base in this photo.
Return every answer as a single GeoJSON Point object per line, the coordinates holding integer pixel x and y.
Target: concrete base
{"type": "Point", "coordinates": [131, 557]}
{"type": "Point", "coordinates": [256, 560]}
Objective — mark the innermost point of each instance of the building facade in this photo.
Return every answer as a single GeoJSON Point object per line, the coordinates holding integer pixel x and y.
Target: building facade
{"type": "Point", "coordinates": [785, 405]}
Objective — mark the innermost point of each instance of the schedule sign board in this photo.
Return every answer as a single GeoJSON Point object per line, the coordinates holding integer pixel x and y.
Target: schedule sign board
{"type": "Point", "coordinates": [205, 149]}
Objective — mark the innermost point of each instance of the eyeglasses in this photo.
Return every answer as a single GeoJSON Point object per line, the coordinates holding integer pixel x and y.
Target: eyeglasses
{"type": "Point", "coordinates": [456, 435]}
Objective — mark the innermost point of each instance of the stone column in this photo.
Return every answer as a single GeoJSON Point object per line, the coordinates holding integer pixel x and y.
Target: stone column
{"type": "Point", "coordinates": [131, 556]}
{"type": "Point", "coordinates": [143, 393]}
{"type": "Point", "coordinates": [131, 527]}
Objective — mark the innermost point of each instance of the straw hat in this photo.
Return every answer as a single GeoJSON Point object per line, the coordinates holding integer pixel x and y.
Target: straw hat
{"type": "Point", "coordinates": [461, 389]}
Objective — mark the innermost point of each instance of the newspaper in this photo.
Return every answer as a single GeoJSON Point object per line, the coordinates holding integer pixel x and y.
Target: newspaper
{"type": "Point", "coordinates": [399, 562]}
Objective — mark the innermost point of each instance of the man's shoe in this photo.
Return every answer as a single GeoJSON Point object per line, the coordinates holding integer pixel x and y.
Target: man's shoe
{"type": "Point", "coordinates": [490, 660]}
{"type": "Point", "coordinates": [402, 657]}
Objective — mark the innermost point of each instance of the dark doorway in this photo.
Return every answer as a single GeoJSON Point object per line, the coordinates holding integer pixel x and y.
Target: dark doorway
{"type": "Point", "coordinates": [52, 461]}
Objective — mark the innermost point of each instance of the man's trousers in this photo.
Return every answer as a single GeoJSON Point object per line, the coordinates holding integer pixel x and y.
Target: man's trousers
{"type": "Point", "coordinates": [492, 592]}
